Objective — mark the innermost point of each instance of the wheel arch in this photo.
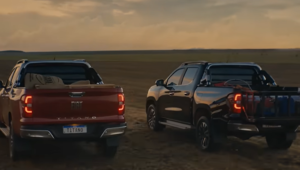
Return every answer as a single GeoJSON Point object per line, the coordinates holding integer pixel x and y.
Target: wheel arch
{"type": "Point", "coordinates": [149, 101]}
{"type": "Point", "coordinates": [201, 110]}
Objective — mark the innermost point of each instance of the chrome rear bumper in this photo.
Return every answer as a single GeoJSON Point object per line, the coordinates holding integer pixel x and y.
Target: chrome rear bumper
{"type": "Point", "coordinates": [25, 133]}
{"type": "Point", "coordinates": [242, 127]}
{"type": "Point", "coordinates": [46, 134]}
{"type": "Point", "coordinates": [113, 131]}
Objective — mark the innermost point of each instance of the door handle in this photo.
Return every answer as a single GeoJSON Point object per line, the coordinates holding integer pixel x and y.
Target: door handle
{"type": "Point", "coordinates": [186, 93]}
{"type": "Point", "coordinates": [171, 93]}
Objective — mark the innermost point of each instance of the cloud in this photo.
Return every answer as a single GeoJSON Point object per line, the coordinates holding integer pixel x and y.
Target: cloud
{"type": "Point", "coordinates": [46, 8]}
{"type": "Point", "coordinates": [117, 12]}
{"type": "Point", "coordinates": [286, 14]}
{"type": "Point", "coordinates": [44, 25]}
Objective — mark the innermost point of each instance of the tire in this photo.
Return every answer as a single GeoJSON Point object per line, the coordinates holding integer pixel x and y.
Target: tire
{"type": "Point", "coordinates": [13, 142]}
{"type": "Point", "coordinates": [1, 134]}
{"type": "Point", "coordinates": [153, 119]}
{"type": "Point", "coordinates": [278, 142]}
{"type": "Point", "coordinates": [204, 137]}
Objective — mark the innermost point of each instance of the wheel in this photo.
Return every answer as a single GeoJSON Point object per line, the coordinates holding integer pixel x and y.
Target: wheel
{"type": "Point", "coordinates": [13, 152]}
{"type": "Point", "coordinates": [204, 135]}
{"type": "Point", "coordinates": [278, 142]}
{"type": "Point", "coordinates": [2, 134]}
{"type": "Point", "coordinates": [153, 119]}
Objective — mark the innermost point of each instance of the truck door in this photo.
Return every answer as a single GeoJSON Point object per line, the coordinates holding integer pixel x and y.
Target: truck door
{"type": "Point", "coordinates": [167, 108]}
{"type": "Point", "coordinates": [184, 96]}
{"type": "Point", "coordinates": [5, 97]}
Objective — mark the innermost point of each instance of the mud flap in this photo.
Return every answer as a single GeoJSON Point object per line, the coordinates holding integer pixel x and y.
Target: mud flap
{"type": "Point", "coordinates": [113, 141]}
{"type": "Point", "coordinates": [218, 133]}
{"type": "Point", "coordinates": [290, 136]}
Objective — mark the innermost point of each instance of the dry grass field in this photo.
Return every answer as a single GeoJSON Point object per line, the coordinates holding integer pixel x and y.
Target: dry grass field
{"type": "Point", "coordinates": [172, 149]}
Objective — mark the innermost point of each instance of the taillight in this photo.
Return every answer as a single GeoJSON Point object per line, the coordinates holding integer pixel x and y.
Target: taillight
{"type": "Point", "coordinates": [237, 103]}
{"type": "Point", "coordinates": [121, 99]}
{"type": "Point", "coordinates": [27, 106]}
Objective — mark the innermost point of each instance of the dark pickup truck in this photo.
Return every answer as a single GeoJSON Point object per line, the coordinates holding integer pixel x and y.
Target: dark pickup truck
{"type": "Point", "coordinates": [217, 100]}
{"type": "Point", "coordinates": [59, 100]}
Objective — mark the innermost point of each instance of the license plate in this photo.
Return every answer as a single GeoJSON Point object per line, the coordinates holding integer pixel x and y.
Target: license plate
{"type": "Point", "coordinates": [271, 126]}
{"type": "Point", "coordinates": [74, 129]}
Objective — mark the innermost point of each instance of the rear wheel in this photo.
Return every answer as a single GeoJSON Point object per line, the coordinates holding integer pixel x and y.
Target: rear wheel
{"type": "Point", "coordinates": [1, 134]}
{"type": "Point", "coordinates": [278, 141]}
{"type": "Point", "coordinates": [13, 142]}
{"type": "Point", "coordinates": [153, 119]}
{"type": "Point", "coordinates": [204, 136]}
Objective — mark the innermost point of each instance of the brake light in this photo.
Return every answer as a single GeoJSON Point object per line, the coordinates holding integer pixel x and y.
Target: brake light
{"type": "Point", "coordinates": [27, 106]}
{"type": "Point", "coordinates": [121, 99]}
{"type": "Point", "coordinates": [237, 105]}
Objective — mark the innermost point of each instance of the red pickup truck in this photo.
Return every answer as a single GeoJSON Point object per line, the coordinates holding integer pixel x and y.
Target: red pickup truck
{"type": "Point", "coordinates": [60, 100]}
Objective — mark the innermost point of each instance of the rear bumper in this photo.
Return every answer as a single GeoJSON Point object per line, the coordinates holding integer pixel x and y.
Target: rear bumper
{"type": "Point", "coordinates": [242, 127]}
{"type": "Point", "coordinates": [94, 131]}
{"type": "Point", "coordinates": [238, 127]}
{"type": "Point", "coordinates": [29, 133]}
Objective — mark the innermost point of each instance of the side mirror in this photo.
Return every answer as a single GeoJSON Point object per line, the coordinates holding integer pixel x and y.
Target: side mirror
{"type": "Point", "coordinates": [159, 82]}
{"type": "Point", "coordinates": [203, 82]}
{"type": "Point", "coordinates": [269, 79]}
{"type": "Point", "coordinates": [1, 84]}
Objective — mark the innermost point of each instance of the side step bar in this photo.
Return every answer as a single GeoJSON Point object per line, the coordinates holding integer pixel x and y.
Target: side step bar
{"type": "Point", "coordinates": [5, 131]}
{"type": "Point", "coordinates": [176, 124]}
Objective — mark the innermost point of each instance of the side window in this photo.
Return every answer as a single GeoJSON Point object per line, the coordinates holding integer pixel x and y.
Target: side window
{"type": "Point", "coordinates": [8, 81]}
{"type": "Point", "coordinates": [189, 76]}
{"type": "Point", "coordinates": [15, 76]}
{"type": "Point", "coordinates": [174, 79]}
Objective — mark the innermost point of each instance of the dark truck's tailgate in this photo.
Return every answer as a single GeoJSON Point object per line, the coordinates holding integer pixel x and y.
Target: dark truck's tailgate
{"type": "Point", "coordinates": [272, 107]}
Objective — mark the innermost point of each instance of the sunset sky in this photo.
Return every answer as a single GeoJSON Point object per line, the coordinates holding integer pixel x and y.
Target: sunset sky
{"type": "Point", "coordinates": [75, 25]}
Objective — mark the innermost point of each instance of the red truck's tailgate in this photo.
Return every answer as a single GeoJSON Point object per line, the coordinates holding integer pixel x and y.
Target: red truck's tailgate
{"type": "Point", "coordinates": [68, 105]}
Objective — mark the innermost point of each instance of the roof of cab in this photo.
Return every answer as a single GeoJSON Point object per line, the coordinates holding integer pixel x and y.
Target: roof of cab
{"type": "Point", "coordinates": [25, 62]}
{"type": "Point", "coordinates": [219, 63]}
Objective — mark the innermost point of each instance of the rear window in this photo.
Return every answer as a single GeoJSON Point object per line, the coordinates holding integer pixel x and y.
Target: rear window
{"type": "Point", "coordinates": [220, 74]}
{"type": "Point", "coordinates": [68, 73]}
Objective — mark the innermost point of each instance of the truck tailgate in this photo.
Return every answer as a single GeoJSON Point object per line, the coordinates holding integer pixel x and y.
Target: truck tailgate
{"type": "Point", "coordinates": [273, 106]}
{"type": "Point", "coordinates": [75, 105]}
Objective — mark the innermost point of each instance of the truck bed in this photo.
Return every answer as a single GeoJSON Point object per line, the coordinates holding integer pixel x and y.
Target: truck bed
{"type": "Point", "coordinates": [271, 104]}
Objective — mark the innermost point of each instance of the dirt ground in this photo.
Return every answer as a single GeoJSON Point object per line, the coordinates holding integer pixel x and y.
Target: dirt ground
{"type": "Point", "coordinates": [142, 149]}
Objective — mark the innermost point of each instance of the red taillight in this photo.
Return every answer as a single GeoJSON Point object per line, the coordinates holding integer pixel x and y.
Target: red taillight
{"type": "Point", "coordinates": [237, 105]}
{"type": "Point", "coordinates": [27, 106]}
{"type": "Point", "coordinates": [121, 99]}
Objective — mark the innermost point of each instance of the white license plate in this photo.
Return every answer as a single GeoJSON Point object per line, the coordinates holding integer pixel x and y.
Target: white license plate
{"type": "Point", "coordinates": [74, 129]}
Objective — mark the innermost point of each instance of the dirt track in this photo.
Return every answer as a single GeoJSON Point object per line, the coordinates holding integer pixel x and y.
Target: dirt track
{"type": "Point", "coordinates": [141, 148]}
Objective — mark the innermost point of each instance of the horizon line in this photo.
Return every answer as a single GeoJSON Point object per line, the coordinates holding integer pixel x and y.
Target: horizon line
{"type": "Point", "coordinates": [195, 49]}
